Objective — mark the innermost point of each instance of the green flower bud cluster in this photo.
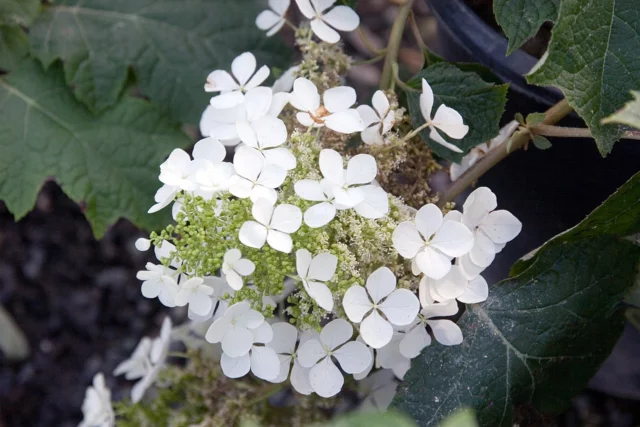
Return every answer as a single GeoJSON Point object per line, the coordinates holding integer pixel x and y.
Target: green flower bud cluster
{"type": "Point", "coordinates": [322, 63]}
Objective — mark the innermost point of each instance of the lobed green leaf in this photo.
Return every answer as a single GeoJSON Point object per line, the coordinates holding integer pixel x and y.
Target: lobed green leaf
{"type": "Point", "coordinates": [521, 19]}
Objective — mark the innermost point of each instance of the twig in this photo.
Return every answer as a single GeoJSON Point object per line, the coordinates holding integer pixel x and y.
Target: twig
{"type": "Point", "coordinates": [566, 132]}
{"type": "Point", "coordinates": [398, 80]}
{"type": "Point", "coordinates": [493, 157]}
{"type": "Point", "coordinates": [368, 61]}
{"type": "Point", "coordinates": [367, 43]}
{"type": "Point", "coordinates": [395, 40]}
{"type": "Point", "coordinates": [418, 36]}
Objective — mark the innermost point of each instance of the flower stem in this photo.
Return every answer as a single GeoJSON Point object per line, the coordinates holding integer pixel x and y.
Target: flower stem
{"type": "Point", "coordinates": [369, 61]}
{"type": "Point", "coordinates": [566, 132]}
{"type": "Point", "coordinates": [395, 40]}
{"type": "Point", "coordinates": [367, 43]}
{"type": "Point", "coordinates": [418, 36]}
{"type": "Point", "coordinates": [415, 132]}
{"type": "Point", "coordinates": [494, 156]}
{"type": "Point", "coordinates": [398, 80]}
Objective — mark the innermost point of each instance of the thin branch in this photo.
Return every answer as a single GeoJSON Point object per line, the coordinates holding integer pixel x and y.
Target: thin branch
{"type": "Point", "coordinates": [566, 132]}
{"type": "Point", "coordinates": [395, 40]}
{"type": "Point", "coordinates": [396, 78]}
{"type": "Point", "coordinates": [494, 156]}
{"type": "Point", "coordinates": [368, 61]}
{"type": "Point", "coordinates": [367, 43]}
{"type": "Point", "coordinates": [418, 36]}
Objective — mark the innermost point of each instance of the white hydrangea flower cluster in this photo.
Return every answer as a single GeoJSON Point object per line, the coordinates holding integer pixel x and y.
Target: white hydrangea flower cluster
{"type": "Point", "coordinates": [380, 325]}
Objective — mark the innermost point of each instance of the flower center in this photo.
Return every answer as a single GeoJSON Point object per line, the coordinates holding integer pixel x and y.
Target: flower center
{"type": "Point", "coordinates": [319, 115]}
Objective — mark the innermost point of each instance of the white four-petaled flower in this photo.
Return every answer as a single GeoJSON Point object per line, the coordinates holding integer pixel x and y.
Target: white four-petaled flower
{"type": "Point", "coordinates": [272, 20]}
{"type": "Point", "coordinates": [314, 272]}
{"type": "Point", "coordinates": [256, 178]}
{"type": "Point", "coordinates": [325, 377]}
{"type": "Point", "coordinates": [232, 89]}
{"type": "Point", "coordinates": [196, 294]}
{"type": "Point", "coordinates": [333, 110]}
{"type": "Point", "coordinates": [366, 306]}
{"type": "Point", "coordinates": [454, 285]}
{"type": "Point", "coordinates": [234, 267]}
{"type": "Point", "coordinates": [379, 120]}
{"type": "Point", "coordinates": [446, 119]}
{"type": "Point", "coordinates": [260, 359]}
{"type": "Point", "coordinates": [430, 242]}
{"type": "Point", "coordinates": [283, 343]}
{"type": "Point", "coordinates": [234, 328]}
{"type": "Point", "coordinates": [341, 18]}
{"type": "Point", "coordinates": [272, 225]}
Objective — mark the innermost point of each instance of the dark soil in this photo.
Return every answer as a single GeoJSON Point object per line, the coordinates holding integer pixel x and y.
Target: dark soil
{"type": "Point", "coordinates": [78, 302]}
{"type": "Point", "coordinates": [536, 46]}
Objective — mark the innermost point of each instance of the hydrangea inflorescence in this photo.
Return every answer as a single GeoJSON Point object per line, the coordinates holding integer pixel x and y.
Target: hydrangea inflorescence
{"type": "Point", "coordinates": [291, 259]}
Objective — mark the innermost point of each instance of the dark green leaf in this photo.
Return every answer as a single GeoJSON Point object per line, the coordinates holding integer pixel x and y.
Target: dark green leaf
{"type": "Point", "coordinates": [350, 3]}
{"type": "Point", "coordinates": [18, 12]}
{"type": "Point", "coordinates": [535, 118]}
{"type": "Point", "coordinates": [521, 19]}
{"type": "Point", "coordinates": [171, 45]}
{"type": "Point", "coordinates": [485, 73]}
{"type": "Point", "coordinates": [481, 105]}
{"type": "Point", "coordinates": [541, 142]}
{"type": "Point", "coordinates": [14, 45]}
{"type": "Point", "coordinates": [542, 334]}
{"type": "Point", "coordinates": [629, 115]}
{"type": "Point", "coordinates": [108, 163]}
{"type": "Point", "coordinates": [594, 58]}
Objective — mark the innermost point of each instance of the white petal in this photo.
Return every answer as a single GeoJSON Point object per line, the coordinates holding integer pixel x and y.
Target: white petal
{"type": "Point", "coordinates": [280, 99]}
{"type": "Point", "coordinates": [286, 218]}
{"type": "Point", "coordinates": [380, 103]}
{"type": "Point", "coordinates": [306, 8]}
{"type": "Point", "coordinates": [310, 352]}
{"type": "Point", "coordinates": [310, 190]}
{"type": "Point", "coordinates": [243, 67]}
{"type": "Point", "coordinates": [368, 115]}
{"type": "Point", "coordinates": [407, 240]}
{"type": "Point", "coordinates": [440, 140]}
{"type": "Point", "coordinates": [323, 267]}
{"type": "Point", "coordinates": [483, 250]}
{"type": "Point", "coordinates": [319, 215]}
{"type": "Point", "coordinates": [262, 211]}
{"type": "Point", "coordinates": [453, 216]}
{"type": "Point", "coordinates": [453, 239]}
{"type": "Point", "coordinates": [241, 188]}
{"type": "Point", "coordinates": [257, 102]}
{"type": "Point", "coordinates": [227, 100]}
{"type": "Point", "coordinates": [280, 241]}
{"type": "Point", "coordinates": [217, 330]}
{"type": "Point", "coordinates": [469, 268]}
{"type": "Point", "coordinates": [452, 285]}
{"type": "Point", "coordinates": [326, 379]}
{"type": "Point", "coordinates": [265, 363]}
{"type": "Point", "coordinates": [324, 32]}
{"type": "Point", "coordinates": [442, 309]}
{"type": "Point", "coordinates": [388, 122]}
{"type": "Point", "coordinates": [380, 283]}
{"type": "Point", "coordinates": [300, 379]}
{"type": "Point", "coordinates": [272, 176]}
{"type": "Point", "coordinates": [375, 204]}
{"type": "Point", "coordinates": [501, 226]}
{"type": "Point", "coordinates": [209, 149]}
{"type": "Point", "coordinates": [345, 199]}
{"type": "Point", "coordinates": [253, 234]}
{"type": "Point", "coordinates": [280, 6]}
{"type": "Point", "coordinates": [244, 267]}
{"type": "Point", "coordinates": [281, 157]}
{"type": "Point", "coordinates": [285, 82]}
{"type": "Point", "coordinates": [426, 100]}
{"type": "Point", "coordinates": [303, 262]}
{"type": "Point", "coordinates": [305, 95]}
{"type": "Point", "coordinates": [354, 357]}
{"type": "Point", "coordinates": [477, 291]}
{"type": "Point", "coordinates": [339, 98]}
{"type": "Point", "coordinates": [336, 332]}
{"type": "Point", "coordinates": [433, 263]}
{"type": "Point", "coordinates": [450, 122]}
{"type": "Point", "coordinates": [237, 341]}
{"type": "Point", "coordinates": [332, 167]}
{"type": "Point", "coordinates": [401, 307]}
{"type": "Point", "coordinates": [446, 332]}
{"type": "Point", "coordinates": [248, 163]}
{"type": "Point", "coordinates": [284, 339]}
{"type": "Point", "coordinates": [258, 78]}
{"type": "Point", "coordinates": [361, 169]}
{"type": "Point", "coordinates": [285, 367]}
{"type": "Point", "coordinates": [220, 80]}
{"type": "Point", "coordinates": [234, 280]}
{"type": "Point", "coordinates": [320, 294]}
{"type": "Point", "coordinates": [376, 331]}
{"type": "Point", "coordinates": [306, 120]}
{"type": "Point", "coordinates": [372, 136]}
{"type": "Point", "coordinates": [235, 367]}
{"type": "Point", "coordinates": [414, 342]}
{"type": "Point", "coordinates": [428, 220]}
{"type": "Point", "coordinates": [477, 206]}
{"type": "Point", "coordinates": [143, 244]}
{"type": "Point", "coordinates": [253, 319]}
{"type": "Point", "coordinates": [163, 197]}
{"type": "Point", "coordinates": [271, 131]}
{"type": "Point", "coordinates": [342, 18]}
{"type": "Point", "coordinates": [356, 303]}
{"type": "Point", "coordinates": [345, 122]}
{"type": "Point", "coordinates": [267, 20]}
{"type": "Point", "coordinates": [261, 192]}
